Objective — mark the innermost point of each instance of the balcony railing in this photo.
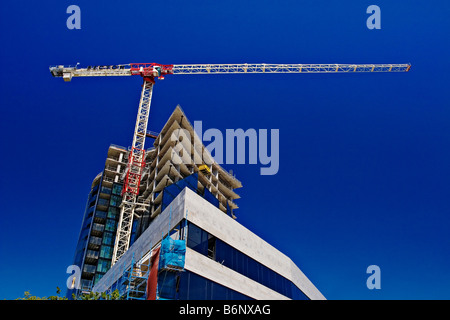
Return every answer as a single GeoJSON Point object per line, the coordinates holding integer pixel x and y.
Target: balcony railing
{"type": "Point", "coordinates": [123, 161]}
{"type": "Point", "coordinates": [91, 254]}
{"type": "Point", "coordinates": [105, 190]}
{"type": "Point", "coordinates": [107, 179]}
{"type": "Point", "coordinates": [98, 227]}
{"type": "Point", "coordinates": [95, 241]}
{"type": "Point", "coordinates": [102, 202]}
{"type": "Point", "coordinates": [114, 169]}
{"type": "Point", "coordinates": [88, 268]}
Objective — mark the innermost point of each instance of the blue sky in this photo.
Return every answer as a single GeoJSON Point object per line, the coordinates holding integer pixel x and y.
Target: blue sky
{"type": "Point", "coordinates": [364, 174]}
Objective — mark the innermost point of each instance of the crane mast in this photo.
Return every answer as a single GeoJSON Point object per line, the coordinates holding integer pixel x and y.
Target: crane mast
{"type": "Point", "coordinates": [136, 163]}
{"type": "Point", "coordinates": [149, 72]}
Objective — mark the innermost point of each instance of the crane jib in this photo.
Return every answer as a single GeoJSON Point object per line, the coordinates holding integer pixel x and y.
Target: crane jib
{"type": "Point", "coordinates": [150, 71]}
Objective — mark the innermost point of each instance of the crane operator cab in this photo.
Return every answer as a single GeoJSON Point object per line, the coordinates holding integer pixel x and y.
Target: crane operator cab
{"type": "Point", "coordinates": [156, 71]}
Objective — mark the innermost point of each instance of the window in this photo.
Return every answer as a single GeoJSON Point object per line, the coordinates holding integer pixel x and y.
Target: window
{"type": "Point", "coordinates": [85, 283]}
{"type": "Point", "coordinates": [92, 254]}
{"type": "Point", "coordinates": [208, 245]}
{"type": "Point", "coordinates": [88, 268]}
{"type": "Point", "coordinates": [197, 239]}
{"type": "Point", "coordinates": [102, 202]}
{"type": "Point", "coordinates": [103, 265]}
{"type": "Point", "coordinates": [211, 247]}
{"type": "Point", "coordinates": [106, 252]}
{"type": "Point", "coordinates": [100, 214]}
{"type": "Point", "coordinates": [113, 213]}
{"type": "Point", "coordinates": [110, 225]}
{"type": "Point", "coordinates": [95, 240]}
{"type": "Point", "coordinates": [191, 286]}
{"type": "Point", "coordinates": [117, 189]}
{"type": "Point", "coordinates": [115, 200]}
{"type": "Point", "coordinates": [97, 277]}
{"type": "Point", "coordinates": [98, 227]}
{"type": "Point", "coordinates": [108, 238]}
{"type": "Point", "coordinates": [105, 190]}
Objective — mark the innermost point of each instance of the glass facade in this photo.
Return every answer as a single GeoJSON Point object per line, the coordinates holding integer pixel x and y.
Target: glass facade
{"type": "Point", "coordinates": [96, 240]}
{"type": "Point", "coordinates": [190, 286]}
{"type": "Point", "coordinates": [111, 218]}
{"type": "Point", "coordinates": [216, 249]}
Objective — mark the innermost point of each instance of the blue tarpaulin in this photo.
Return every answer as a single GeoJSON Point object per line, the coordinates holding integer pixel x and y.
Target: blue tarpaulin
{"type": "Point", "coordinates": [172, 253]}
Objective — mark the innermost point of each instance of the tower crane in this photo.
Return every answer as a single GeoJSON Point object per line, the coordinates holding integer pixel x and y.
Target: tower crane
{"type": "Point", "coordinates": [152, 71]}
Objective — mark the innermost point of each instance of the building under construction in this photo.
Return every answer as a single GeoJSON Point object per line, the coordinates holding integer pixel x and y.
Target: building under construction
{"type": "Point", "coordinates": [186, 242]}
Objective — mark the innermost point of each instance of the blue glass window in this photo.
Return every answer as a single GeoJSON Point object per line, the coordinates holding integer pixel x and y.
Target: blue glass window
{"type": "Point", "coordinates": [117, 189]}
{"type": "Point", "coordinates": [105, 190]}
{"type": "Point", "coordinates": [106, 252]}
{"type": "Point", "coordinates": [115, 200]}
{"type": "Point", "coordinates": [108, 238]}
{"type": "Point", "coordinates": [200, 241]}
{"type": "Point", "coordinates": [102, 202]}
{"type": "Point", "coordinates": [110, 225]}
{"type": "Point", "coordinates": [113, 213]}
{"type": "Point", "coordinates": [103, 265]}
{"type": "Point", "coordinates": [197, 239]}
{"type": "Point", "coordinates": [97, 277]}
{"type": "Point", "coordinates": [190, 286]}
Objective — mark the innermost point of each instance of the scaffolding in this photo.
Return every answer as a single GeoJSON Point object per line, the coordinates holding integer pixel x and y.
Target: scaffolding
{"type": "Point", "coordinates": [133, 283]}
